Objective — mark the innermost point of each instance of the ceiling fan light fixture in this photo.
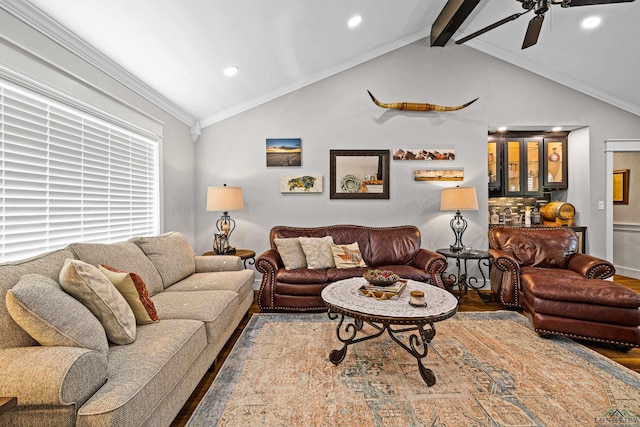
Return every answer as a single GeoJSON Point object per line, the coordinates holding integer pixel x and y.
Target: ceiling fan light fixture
{"type": "Point", "coordinates": [354, 21]}
{"type": "Point", "coordinates": [591, 22]}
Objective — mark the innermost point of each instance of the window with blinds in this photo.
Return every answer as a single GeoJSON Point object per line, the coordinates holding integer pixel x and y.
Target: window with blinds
{"type": "Point", "coordinates": [68, 177]}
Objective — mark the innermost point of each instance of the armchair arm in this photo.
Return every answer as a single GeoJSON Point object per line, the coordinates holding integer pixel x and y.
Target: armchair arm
{"type": "Point", "coordinates": [433, 263]}
{"type": "Point", "coordinates": [505, 278]}
{"type": "Point", "coordinates": [269, 260]}
{"type": "Point", "coordinates": [51, 376]}
{"type": "Point", "coordinates": [590, 266]}
{"type": "Point", "coordinates": [207, 264]}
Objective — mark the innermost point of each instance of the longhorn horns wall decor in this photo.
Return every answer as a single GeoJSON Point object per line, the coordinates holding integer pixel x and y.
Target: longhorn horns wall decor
{"type": "Point", "coordinates": [414, 106]}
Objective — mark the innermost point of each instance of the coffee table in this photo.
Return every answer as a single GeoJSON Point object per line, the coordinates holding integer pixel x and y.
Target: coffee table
{"type": "Point", "coordinates": [396, 316]}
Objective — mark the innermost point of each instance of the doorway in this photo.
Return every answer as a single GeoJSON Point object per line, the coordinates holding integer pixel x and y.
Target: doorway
{"type": "Point", "coordinates": [613, 146]}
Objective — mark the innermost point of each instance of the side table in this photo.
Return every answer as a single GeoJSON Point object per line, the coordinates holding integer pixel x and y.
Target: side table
{"type": "Point", "coordinates": [462, 279]}
{"type": "Point", "coordinates": [6, 403]}
{"type": "Point", "coordinates": [246, 255]}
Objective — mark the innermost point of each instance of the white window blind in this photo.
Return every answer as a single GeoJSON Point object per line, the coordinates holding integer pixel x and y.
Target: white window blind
{"type": "Point", "coordinates": [69, 177]}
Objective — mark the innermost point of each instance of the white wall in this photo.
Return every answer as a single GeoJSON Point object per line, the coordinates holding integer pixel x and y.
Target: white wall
{"type": "Point", "coordinates": [336, 113]}
{"type": "Point", "coordinates": [28, 53]}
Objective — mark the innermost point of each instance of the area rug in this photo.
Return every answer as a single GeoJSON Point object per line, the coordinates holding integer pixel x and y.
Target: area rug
{"type": "Point", "coordinates": [491, 370]}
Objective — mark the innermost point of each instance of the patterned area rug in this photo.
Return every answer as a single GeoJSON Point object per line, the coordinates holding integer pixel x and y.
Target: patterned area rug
{"type": "Point", "coordinates": [491, 370]}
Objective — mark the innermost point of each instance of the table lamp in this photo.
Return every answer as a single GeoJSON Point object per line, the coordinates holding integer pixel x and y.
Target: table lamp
{"type": "Point", "coordinates": [224, 199]}
{"type": "Point", "coordinates": [458, 199]}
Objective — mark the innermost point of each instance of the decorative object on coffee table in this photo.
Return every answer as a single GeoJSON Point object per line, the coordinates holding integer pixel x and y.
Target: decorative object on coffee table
{"type": "Point", "coordinates": [458, 199]}
{"type": "Point", "coordinates": [224, 199]}
{"type": "Point", "coordinates": [381, 277]}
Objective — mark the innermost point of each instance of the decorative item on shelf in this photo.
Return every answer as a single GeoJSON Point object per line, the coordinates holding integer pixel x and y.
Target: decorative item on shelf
{"type": "Point", "coordinates": [381, 277]}
{"type": "Point", "coordinates": [458, 199]}
{"type": "Point", "coordinates": [414, 106]}
{"type": "Point", "coordinates": [554, 156]}
{"type": "Point", "coordinates": [558, 213]}
{"type": "Point", "coordinates": [224, 199]}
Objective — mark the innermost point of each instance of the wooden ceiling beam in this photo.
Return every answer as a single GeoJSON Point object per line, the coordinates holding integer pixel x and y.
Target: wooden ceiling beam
{"type": "Point", "coordinates": [453, 14]}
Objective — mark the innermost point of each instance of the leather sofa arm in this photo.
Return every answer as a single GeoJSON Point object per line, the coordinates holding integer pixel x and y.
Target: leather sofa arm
{"type": "Point", "coordinates": [433, 263]}
{"type": "Point", "coordinates": [57, 375]}
{"type": "Point", "coordinates": [505, 278]}
{"type": "Point", "coordinates": [268, 264]}
{"type": "Point", "coordinates": [208, 264]}
{"type": "Point", "coordinates": [590, 266]}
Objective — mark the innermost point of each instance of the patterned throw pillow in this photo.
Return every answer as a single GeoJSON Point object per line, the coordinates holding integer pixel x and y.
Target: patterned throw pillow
{"type": "Point", "coordinates": [347, 256]}
{"type": "Point", "coordinates": [317, 250]}
{"type": "Point", "coordinates": [135, 291]}
{"type": "Point", "coordinates": [89, 286]}
{"type": "Point", "coordinates": [52, 317]}
{"type": "Point", "coordinates": [291, 253]}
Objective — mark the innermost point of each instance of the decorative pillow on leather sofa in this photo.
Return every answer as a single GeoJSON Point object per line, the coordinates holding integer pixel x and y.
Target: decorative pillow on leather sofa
{"type": "Point", "coordinates": [89, 286]}
{"type": "Point", "coordinates": [291, 253]}
{"type": "Point", "coordinates": [52, 317]}
{"type": "Point", "coordinates": [317, 250]}
{"type": "Point", "coordinates": [135, 291]}
{"type": "Point", "coordinates": [347, 256]}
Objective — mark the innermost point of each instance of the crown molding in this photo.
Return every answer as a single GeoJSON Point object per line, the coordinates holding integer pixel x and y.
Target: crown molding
{"type": "Point", "coordinates": [44, 24]}
{"type": "Point", "coordinates": [555, 76]}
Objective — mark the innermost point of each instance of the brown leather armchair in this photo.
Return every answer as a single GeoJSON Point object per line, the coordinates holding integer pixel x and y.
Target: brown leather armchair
{"type": "Point", "coordinates": [561, 291]}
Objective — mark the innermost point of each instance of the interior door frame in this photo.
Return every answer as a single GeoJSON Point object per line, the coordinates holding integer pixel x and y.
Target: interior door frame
{"type": "Point", "coordinates": [613, 146]}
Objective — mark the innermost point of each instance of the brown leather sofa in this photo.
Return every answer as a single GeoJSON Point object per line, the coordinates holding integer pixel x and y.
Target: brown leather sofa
{"type": "Point", "coordinates": [388, 248]}
{"type": "Point", "coordinates": [560, 290]}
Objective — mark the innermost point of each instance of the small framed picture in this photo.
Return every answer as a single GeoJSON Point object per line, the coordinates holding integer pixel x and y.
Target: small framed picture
{"type": "Point", "coordinates": [284, 152]}
{"type": "Point", "coordinates": [438, 175]}
{"type": "Point", "coordinates": [424, 154]}
{"type": "Point", "coordinates": [301, 184]}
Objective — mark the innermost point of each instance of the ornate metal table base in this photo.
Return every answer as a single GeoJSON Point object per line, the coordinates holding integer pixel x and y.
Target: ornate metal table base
{"type": "Point", "coordinates": [462, 280]}
{"type": "Point", "coordinates": [418, 345]}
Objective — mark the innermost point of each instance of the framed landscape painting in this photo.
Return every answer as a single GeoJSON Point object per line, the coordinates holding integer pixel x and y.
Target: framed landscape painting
{"type": "Point", "coordinates": [438, 175]}
{"type": "Point", "coordinates": [424, 154]}
{"type": "Point", "coordinates": [284, 152]}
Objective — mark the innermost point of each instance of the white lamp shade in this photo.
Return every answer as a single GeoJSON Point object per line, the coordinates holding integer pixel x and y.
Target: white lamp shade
{"type": "Point", "coordinates": [459, 199]}
{"type": "Point", "coordinates": [224, 199]}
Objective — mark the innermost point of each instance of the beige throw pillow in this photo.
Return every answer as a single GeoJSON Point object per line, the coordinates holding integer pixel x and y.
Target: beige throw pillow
{"type": "Point", "coordinates": [317, 250]}
{"type": "Point", "coordinates": [347, 256]}
{"type": "Point", "coordinates": [52, 317]}
{"type": "Point", "coordinates": [291, 253]}
{"type": "Point", "coordinates": [135, 291]}
{"type": "Point", "coordinates": [89, 286]}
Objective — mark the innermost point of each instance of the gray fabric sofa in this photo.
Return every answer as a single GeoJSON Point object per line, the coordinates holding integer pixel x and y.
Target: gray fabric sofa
{"type": "Point", "coordinates": [200, 301]}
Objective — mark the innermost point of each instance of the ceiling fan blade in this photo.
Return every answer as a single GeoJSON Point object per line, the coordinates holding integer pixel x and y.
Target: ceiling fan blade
{"type": "Point", "coordinates": [533, 31]}
{"type": "Point", "coordinates": [492, 26]}
{"type": "Point", "coordinates": [595, 2]}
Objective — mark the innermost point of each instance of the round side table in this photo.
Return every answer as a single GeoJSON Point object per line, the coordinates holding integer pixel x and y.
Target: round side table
{"type": "Point", "coordinates": [462, 279]}
{"type": "Point", "coordinates": [246, 255]}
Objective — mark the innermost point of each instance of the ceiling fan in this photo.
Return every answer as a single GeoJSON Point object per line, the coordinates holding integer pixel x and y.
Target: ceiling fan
{"type": "Point", "coordinates": [539, 7]}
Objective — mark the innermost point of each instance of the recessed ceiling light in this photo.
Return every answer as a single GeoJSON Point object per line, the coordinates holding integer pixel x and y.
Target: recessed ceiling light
{"type": "Point", "coordinates": [231, 71]}
{"type": "Point", "coordinates": [502, 128]}
{"type": "Point", "coordinates": [557, 129]}
{"type": "Point", "coordinates": [355, 21]}
{"type": "Point", "coordinates": [591, 22]}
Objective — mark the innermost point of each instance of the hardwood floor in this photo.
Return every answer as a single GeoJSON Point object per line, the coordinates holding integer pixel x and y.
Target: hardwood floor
{"type": "Point", "coordinates": [469, 302]}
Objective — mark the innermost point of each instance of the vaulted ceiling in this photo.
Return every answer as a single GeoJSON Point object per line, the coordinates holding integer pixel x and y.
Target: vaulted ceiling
{"type": "Point", "coordinates": [174, 51]}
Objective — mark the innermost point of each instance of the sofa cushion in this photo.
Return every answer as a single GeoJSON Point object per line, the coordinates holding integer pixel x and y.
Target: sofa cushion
{"type": "Point", "coordinates": [304, 275]}
{"type": "Point", "coordinates": [88, 285]}
{"type": "Point", "coordinates": [393, 245]}
{"type": "Point", "coordinates": [143, 373]}
{"type": "Point", "coordinates": [52, 317]}
{"type": "Point", "coordinates": [126, 256]}
{"type": "Point", "coordinates": [291, 253]}
{"type": "Point", "coordinates": [240, 282]}
{"type": "Point", "coordinates": [347, 256]}
{"type": "Point", "coordinates": [171, 254]}
{"type": "Point", "coordinates": [134, 290]}
{"type": "Point", "coordinates": [317, 250]}
{"type": "Point", "coordinates": [49, 265]}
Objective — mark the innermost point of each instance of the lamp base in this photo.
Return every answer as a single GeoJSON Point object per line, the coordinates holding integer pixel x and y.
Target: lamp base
{"type": "Point", "coordinates": [455, 248]}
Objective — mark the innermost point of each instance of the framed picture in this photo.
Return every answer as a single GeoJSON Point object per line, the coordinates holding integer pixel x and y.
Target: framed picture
{"type": "Point", "coordinates": [424, 154]}
{"type": "Point", "coordinates": [438, 175]}
{"type": "Point", "coordinates": [621, 187]}
{"type": "Point", "coordinates": [359, 174]}
{"type": "Point", "coordinates": [301, 184]}
{"type": "Point", "coordinates": [284, 152]}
